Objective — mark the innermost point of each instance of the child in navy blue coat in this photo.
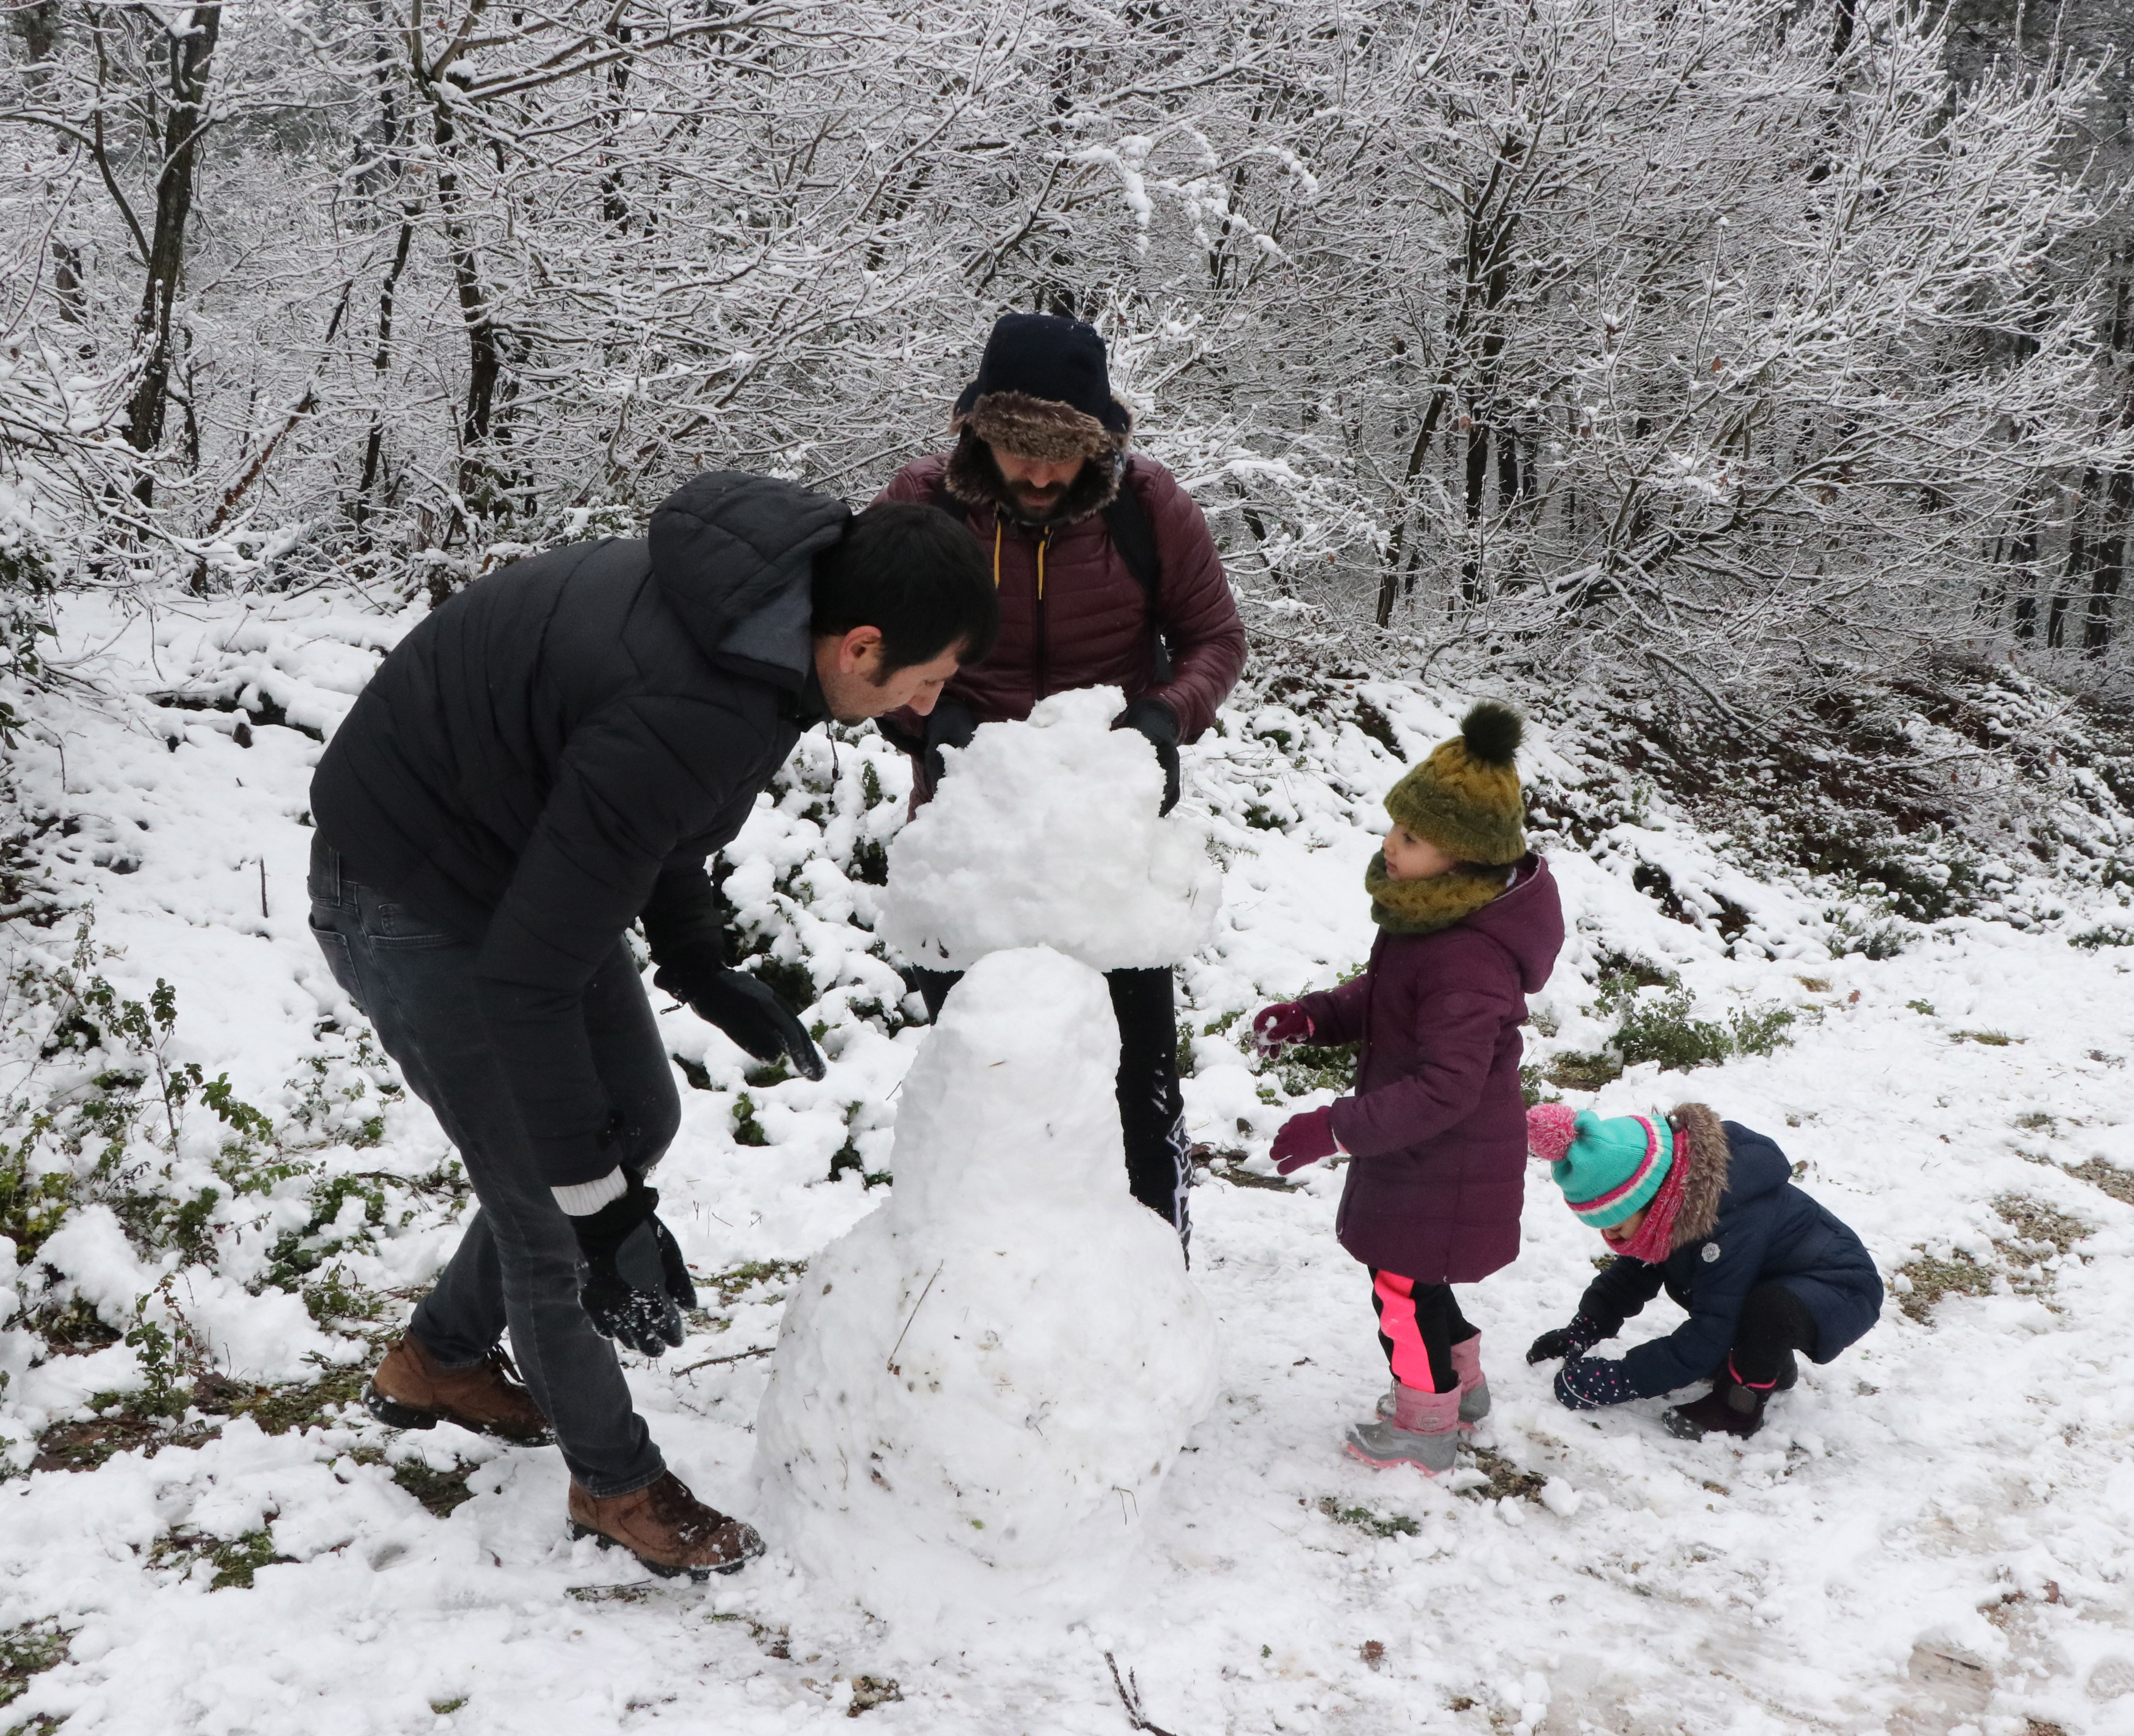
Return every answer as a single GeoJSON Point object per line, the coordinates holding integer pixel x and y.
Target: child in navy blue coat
{"type": "Point", "coordinates": [1707, 1210]}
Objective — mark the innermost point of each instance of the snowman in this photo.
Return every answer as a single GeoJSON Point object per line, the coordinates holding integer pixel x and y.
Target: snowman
{"type": "Point", "coordinates": [977, 1392]}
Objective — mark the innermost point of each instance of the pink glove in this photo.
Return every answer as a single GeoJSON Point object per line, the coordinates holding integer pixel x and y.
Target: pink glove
{"type": "Point", "coordinates": [1303, 1140]}
{"type": "Point", "coordinates": [1274, 1026]}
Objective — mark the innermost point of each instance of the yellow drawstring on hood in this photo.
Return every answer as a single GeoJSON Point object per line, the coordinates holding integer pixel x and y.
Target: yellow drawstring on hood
{"type": "Point", "coordinates": [1043, 542]}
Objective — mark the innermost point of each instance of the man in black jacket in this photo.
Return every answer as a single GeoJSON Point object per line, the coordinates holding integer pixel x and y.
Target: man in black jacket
{"type": "Point", "coordinates": [549, 756]}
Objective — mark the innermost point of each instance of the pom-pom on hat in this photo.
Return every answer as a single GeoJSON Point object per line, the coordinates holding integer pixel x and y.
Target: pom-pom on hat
{"type": "Point", "coordinates": [1551, 1127]}
{"type": "Point", "coordinates": [1607, 1169]}
{"type": "Point", "coordinates": [1465, 798]}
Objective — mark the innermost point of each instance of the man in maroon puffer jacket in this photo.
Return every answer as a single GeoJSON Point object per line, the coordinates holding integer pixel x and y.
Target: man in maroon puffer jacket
{"type": "Point", "coordinates": [1107, 577]}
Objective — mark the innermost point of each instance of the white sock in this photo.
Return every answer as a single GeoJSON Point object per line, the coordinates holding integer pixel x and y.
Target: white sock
{"type": "Point", "coordinates": [584, 1198]}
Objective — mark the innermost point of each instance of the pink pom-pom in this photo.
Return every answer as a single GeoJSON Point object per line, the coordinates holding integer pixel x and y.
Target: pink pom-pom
{"type": "Point", "coordinates": [1551, 1127]}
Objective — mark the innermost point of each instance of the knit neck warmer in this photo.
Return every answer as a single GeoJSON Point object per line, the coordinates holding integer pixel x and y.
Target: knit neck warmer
{"type": "Point", "coordinates": [1423, 907]}
{"type": "Point", "coordinates": [1655, 1238]}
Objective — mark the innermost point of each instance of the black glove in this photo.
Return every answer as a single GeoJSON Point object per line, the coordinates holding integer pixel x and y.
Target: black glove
{"type": "Point", "coordinates": [1159, 723]}
{"type": "Point", "coordinates": [637, 1284]}
{"type": "Point", "coordinates": [951, 724]}
{"type": "Point", "coordinates": [1574, 1340]}
{"type": "Point", "coordinates": [743, 1008]}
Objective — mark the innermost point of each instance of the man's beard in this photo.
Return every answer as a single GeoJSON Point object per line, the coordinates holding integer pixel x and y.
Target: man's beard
{"type": "Point", "coordinates": [1038, 500]}
{"type": "Point", "coordinates": [1022, 509]}
{"type": "Point", "coordinates": [1027, 512]}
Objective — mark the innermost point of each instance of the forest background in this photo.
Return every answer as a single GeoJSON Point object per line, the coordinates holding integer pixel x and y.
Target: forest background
{"type": "Point", "coordinates": [1758, 349]}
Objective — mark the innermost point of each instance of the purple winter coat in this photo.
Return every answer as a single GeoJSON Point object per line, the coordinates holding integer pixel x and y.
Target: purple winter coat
{"type": "Point", "coordinates": [1437, 1126]}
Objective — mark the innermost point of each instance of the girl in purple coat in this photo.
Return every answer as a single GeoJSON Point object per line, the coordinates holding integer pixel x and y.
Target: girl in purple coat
{"type": "Point", "coordinates": [1468, 926]}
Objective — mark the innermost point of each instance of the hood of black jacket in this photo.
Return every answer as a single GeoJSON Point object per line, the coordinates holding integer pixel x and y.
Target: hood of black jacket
{"type": "Point", "coordinates": [734, 556]}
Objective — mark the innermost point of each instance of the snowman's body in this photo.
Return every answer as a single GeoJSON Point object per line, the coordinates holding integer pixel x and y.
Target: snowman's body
{"type": "Point", "coordinates": [977, 1391]}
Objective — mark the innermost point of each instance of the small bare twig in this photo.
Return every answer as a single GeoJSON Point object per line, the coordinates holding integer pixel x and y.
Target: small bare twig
{"type": "Point", "coordinates": [739, 1355]}
{"type": "Point", "coordinates": [890, 1365]}
{"type": "Point", "coordinates": [1129, 1697]}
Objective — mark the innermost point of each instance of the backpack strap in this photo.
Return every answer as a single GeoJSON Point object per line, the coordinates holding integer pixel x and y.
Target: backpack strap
{"type": "Point", "coordinates": [1136, 542]}
{"type": "Point", "coordinates": [1130, 535]}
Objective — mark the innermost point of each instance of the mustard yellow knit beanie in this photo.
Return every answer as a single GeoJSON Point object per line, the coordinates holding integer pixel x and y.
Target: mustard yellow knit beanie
{"type": "Point", "coordinates": [1465, 798]}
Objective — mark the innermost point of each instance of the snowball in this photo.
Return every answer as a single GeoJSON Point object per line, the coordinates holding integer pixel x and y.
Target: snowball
{"type": "Point", "coordinates": [1560, 1498]}
{"type": "Point", "coordinates": [1045, 833]}
{"type": "Point", "coordinates": [976, 1392]}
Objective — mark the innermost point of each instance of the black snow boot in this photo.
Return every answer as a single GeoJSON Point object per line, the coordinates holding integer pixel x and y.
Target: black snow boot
{"type": "Point", "coordinates": [1729, 1408]}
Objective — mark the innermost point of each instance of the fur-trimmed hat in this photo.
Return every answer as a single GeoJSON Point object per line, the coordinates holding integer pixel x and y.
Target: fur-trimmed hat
{"type": "Point", "coordinates": [1465, 798]}
{"type": "Point", "coordinates": [1044, 392]}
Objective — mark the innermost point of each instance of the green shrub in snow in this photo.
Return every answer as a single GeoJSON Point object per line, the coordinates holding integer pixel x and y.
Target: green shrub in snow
{"type": "Point", "coordinates": [1575, 1070]}
{"type": "Point", "coordinates": [1664, 1028]}
{"type": "Point", "coordinates": [1850, 933]}
{"type": "Point", "coordinates": [1317, 1067]}
{"type": "Point", "coordinates": [98, 1113]}
{"type": "Point", "coordinates": [1761, 1033]}
{"type": "Point", "coordinates": [28, 1650]}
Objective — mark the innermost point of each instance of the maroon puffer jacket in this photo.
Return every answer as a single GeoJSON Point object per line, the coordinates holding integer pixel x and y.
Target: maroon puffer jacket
{"type": "Point", "coordinates": [1090, 628]}
{"type": "Point", "coordinates": [1437, 1125]}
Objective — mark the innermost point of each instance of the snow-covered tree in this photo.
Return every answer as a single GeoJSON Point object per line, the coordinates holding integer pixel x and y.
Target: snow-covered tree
{"type": "Point", "coordinates": [1738, 335]}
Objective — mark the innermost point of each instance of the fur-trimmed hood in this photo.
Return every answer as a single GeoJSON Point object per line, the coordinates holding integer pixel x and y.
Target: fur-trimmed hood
{"type": "Point", "coordinates": [1700, 1142]}
{"type": "Point", "coordinates": [973, 478]}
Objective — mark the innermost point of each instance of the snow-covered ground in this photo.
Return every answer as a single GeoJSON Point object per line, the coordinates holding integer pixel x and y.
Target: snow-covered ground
{"type": "Point", "coordinates": [1931, 1536]}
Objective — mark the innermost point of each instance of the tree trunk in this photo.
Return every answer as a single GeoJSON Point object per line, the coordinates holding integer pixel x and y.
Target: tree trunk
{"type": "Point", "coordinates": [614, 207]}
{"type": "Point", "coordinates": [2109, 567]}
{"type": "Point", "coordinates": [1389, 577]}
{"type": "Point", "coordinates": [2071, 579]}
{"type": "Point", "coordinates": [1841, 32]}
{"type": "Point", "coordinates": [1476, 501]}
{"type": "Point", "coordinates": [189, 60]}
{"type": "Point", "coordinates": [485, 356]}
{"type": "Point", "coordinates": [374, 445]}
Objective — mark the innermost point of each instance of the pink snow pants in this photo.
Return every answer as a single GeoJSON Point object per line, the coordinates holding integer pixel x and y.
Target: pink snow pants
{"type": "Point", "coordinates": [1418, 1325]}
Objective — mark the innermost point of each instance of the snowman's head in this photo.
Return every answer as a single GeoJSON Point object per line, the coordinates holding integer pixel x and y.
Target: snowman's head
{"type": "Point", "coordinates": [1010, 1104]}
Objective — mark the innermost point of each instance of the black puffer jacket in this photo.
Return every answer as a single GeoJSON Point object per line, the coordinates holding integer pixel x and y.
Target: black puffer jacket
{"type": "Point", "coordinates": [1757, 1228]}
{"type": "Point", "coordinates": [556, 750]}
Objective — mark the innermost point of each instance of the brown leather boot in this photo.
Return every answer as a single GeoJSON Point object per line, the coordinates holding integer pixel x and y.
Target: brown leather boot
{"type": "Point", "coordinates": [665, 1527]}
{"type": "Point", "coordinates": [409, 1391]}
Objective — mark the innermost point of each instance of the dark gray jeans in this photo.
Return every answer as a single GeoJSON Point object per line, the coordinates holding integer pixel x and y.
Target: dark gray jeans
{"type": "Point", "coordinates": [517, 1265]}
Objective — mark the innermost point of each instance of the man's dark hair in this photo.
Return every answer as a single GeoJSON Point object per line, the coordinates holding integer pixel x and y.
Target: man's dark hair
{"type": "Point", "coordinates": [916, 574]}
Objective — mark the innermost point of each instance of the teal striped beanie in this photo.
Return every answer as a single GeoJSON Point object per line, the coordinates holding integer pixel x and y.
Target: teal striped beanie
{"type": "Point", "coordinates": [1608, 1169]}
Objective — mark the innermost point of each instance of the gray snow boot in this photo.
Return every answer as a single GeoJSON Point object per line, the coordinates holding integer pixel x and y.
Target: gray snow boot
{"type": "Point", "coordinates": [1474, 1384]}
{"type": "Point", "coordinates": [1423, 1431]}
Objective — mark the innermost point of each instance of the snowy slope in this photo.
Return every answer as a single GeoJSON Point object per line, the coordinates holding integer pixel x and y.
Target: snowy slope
{"type": "Point", "coordinates": [1931, 1535]}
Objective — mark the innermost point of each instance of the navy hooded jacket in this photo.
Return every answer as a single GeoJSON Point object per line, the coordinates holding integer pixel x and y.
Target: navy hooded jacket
{"type": "Point", "coordinates": [1766, 1228]}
